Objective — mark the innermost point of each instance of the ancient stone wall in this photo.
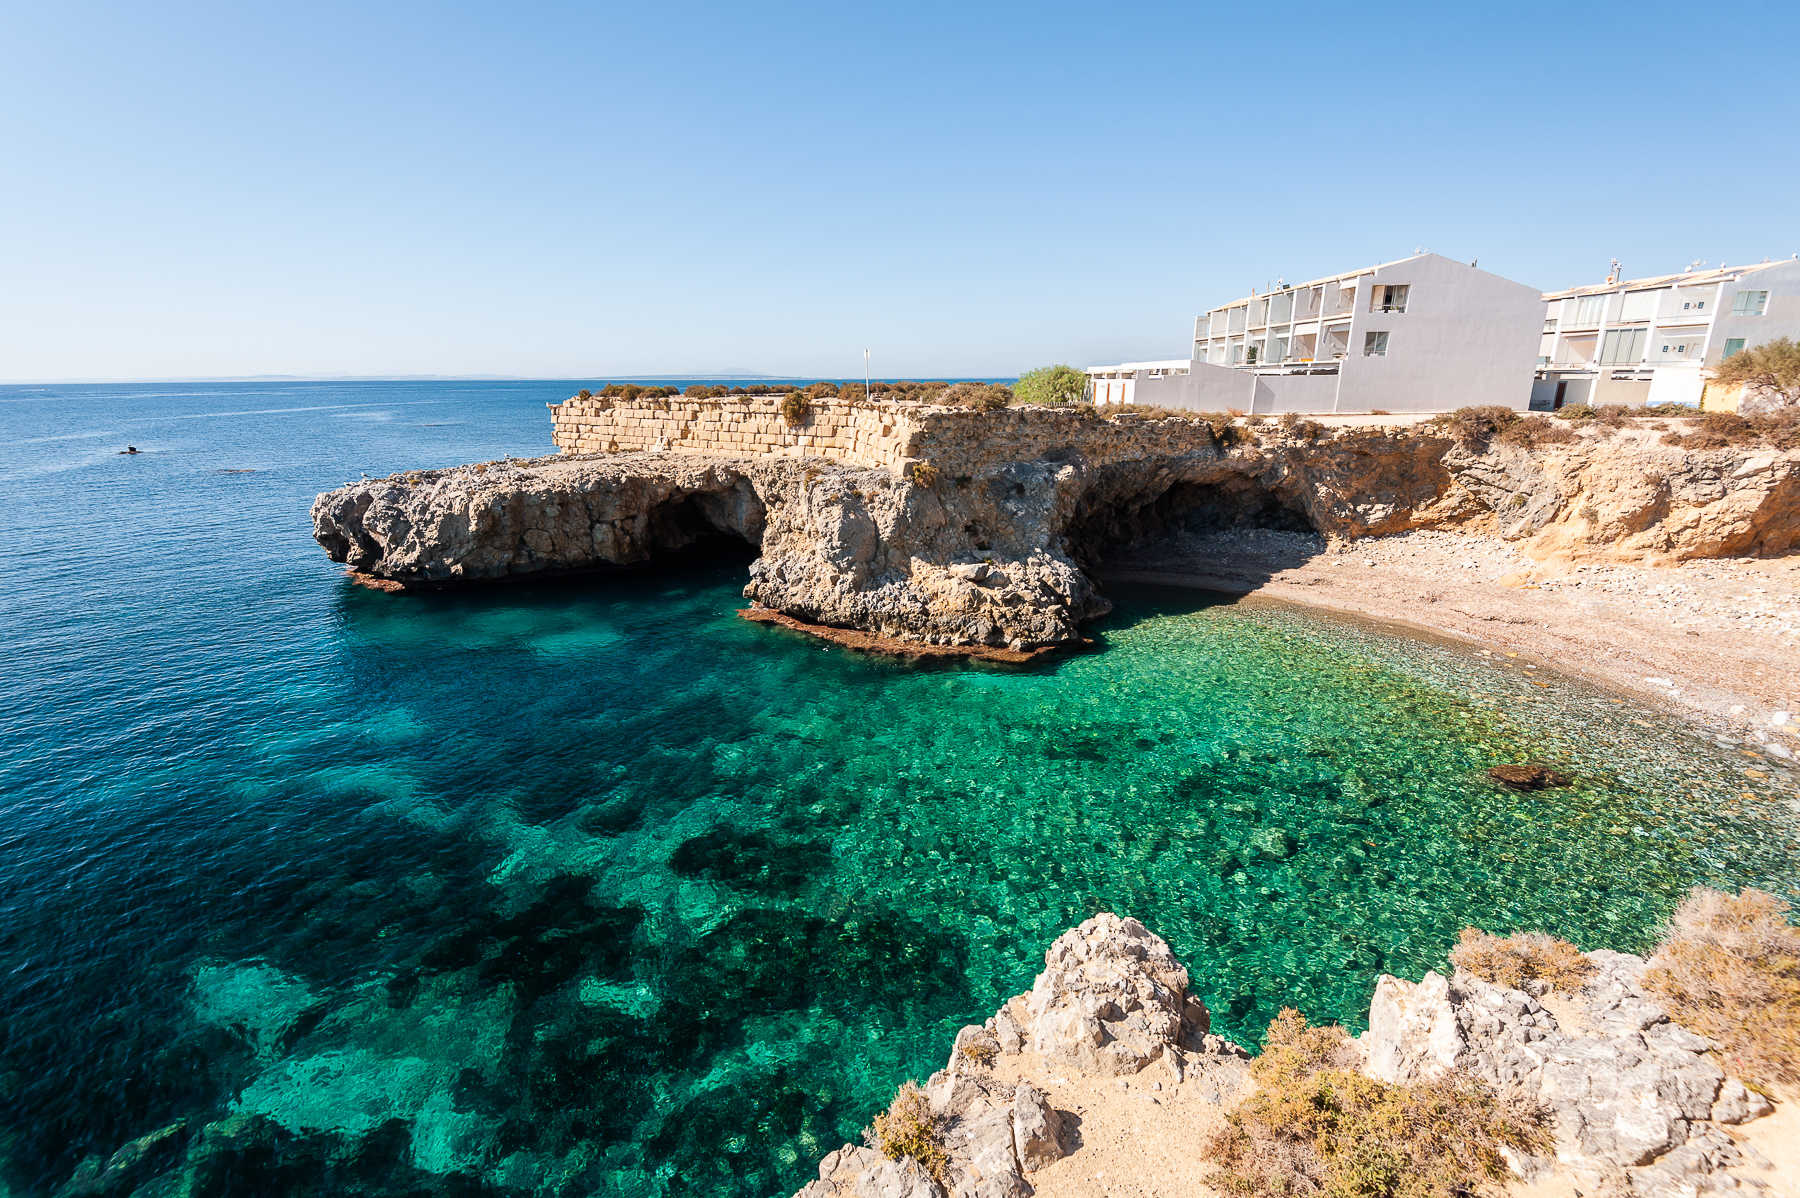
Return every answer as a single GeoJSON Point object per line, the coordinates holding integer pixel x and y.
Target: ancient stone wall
{"type": "Point", "coordinates": [857, 434]}
{"type": "Point", "coordinates": [957, 441]}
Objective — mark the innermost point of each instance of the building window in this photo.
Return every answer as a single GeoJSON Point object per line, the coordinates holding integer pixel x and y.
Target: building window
{"type": "Point", "coordinates": [1584, 309]}
{"type": "Point", "coordinates": [1749, 303]}
{"type": "Point", "coordinates": [1733, 345]}
{"type": "Point", "coordinates": [1622, 347]}
{"type": "Point", "coordinates": [1389, 297]}
{"type": "Point", "coordinates": [1699, 304]}
{"type": "Point", "coordinates": [1375, 345]}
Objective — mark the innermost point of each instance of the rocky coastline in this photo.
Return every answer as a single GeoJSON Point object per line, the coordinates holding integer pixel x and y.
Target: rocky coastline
{"type": "Point", "coordinates": [983, 531]}
{"type": "Point", "coordinates": [1109, 1062]}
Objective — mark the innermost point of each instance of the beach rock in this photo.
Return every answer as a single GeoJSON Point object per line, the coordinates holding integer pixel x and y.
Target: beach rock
{"type": "Point", "coordinates": [1037, 1128]}
{"type": "Point", "coordinates": [857, 1172]}
{"type": "Point", "coordinates": [1627, 1088]}
{"type": "Point", "coordinates": [1111, 998]}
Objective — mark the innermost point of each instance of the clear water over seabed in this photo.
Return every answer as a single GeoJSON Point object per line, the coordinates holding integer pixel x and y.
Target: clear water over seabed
{"type": "Point", "coordinates": [594, 888]}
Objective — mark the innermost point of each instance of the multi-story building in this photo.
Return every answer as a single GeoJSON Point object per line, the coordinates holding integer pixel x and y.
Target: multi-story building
{"type": "Point", "coordinates": [1654, 340]}
{"type": "Point", "coordinates": [1423, 334]}
{"type": "Point", "coordinates": [1118, 383]}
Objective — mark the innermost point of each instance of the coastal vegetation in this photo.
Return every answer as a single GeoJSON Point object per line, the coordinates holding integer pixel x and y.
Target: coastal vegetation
{"type": "Point", "coordinates": [796, 409]}
{"type": "Point", "coordinates": [1728, 966]}
{"type": "Point", "coordinates": [909, 1129]}
{"type": "Point", "coordinates": [1522, 961]}
{"type": "Point", "coordinates": [1770, 371]}
{"type": "Point", "coordinates": [1316, 1125]}
{"type": "Point", "coordinates": [1058, 384]}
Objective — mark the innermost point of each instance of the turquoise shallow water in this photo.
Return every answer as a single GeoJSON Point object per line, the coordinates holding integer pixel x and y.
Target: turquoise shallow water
{"type": "Point", "coordinates": [596, 889]}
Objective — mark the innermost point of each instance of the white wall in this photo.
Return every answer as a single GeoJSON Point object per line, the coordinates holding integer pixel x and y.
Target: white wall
{"type": "Point", "coordinates": [1467, 338]}
{"type": "Point", "coordinates": [1781, 317]}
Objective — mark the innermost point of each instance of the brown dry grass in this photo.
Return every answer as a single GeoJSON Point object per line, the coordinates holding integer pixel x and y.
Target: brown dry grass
{"type": "Point", "coordinates": [909, 1129]}
{"type": "Point", "coordinates": [1521, 958]}
{"type": "Point", "coordinates": [1315, 1125]}
{"type": "Point", "coordinates": [1728, 967]}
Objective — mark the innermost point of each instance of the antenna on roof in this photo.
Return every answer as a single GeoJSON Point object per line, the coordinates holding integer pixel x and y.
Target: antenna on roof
{"type": "Point", "coordinates": [1473, 262]}
{"type": "Point", "coordinates": [1695, 265]}
{"type": "Point", "coordinates": [1612, 276]}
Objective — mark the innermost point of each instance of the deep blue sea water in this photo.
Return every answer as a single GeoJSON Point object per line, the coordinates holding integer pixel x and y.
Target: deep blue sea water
{"type": "Point", "coordinates": [594, 888]}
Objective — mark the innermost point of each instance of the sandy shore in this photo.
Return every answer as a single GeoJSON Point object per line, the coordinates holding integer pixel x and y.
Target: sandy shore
{"type": "Point", "coordinates": [1718, 640]}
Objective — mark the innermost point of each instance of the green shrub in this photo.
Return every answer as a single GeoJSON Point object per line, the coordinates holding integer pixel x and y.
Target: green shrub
{"type": "Point", "coordinates": [1770, 370]}
{"type": "Point", "coordinates": [1314, 1125]}
{"type": "Point", "coordinates": [796, 409]}
{"type": "Point", "coordinates": [820, 390]}
{"type": "Point", "coordinates": [1574, 411]}
{"type": "Point", "coordinates": [1057, 384]}
{"type": "Point", "coordinates": [923, 474]}
{"type": "Point", "coordinates": [584, 393]}
{"type": "Point", "coordinates": [1728, 967]}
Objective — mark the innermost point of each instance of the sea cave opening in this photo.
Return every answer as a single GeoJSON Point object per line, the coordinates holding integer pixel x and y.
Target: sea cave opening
{"type": "Point", "coordinates": [1231, 531]}
{"type": "Point", "coordinates": [704, 528]}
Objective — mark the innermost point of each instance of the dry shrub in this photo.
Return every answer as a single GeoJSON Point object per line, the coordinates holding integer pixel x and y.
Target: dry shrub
{"type": "Point", "coordinates": [987, 397]}
{"type": "Point", "coordinates": [909, 1129]}
{"type": "Point", "coordinates": [1306, 430]}
{"type": "Point", "coordinates": [1728, 967]}
{"type": "Point", "coordinates": [981, 1052]}
{"type": "Point", "coordinates": [923, 474]}
{"type": "Point", "coordinates": [1728, 430]}
{"type": "Point", "coordinates": [1476, 426]}
{"type": "Point", "coordinates": [796, 409]}
{"type": "Point", "coordinates": [1314, 1125]}
{"type": "Point", "coordinates": [1522, 959]}
{"type": "Point", "coordinates": [1531, 431]}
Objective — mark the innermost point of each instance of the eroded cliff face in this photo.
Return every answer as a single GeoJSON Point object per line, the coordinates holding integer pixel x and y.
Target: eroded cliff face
{"type": "Point", "coordinates": [1637, 1104]}
{"type": "Point", "coordinates": [1001, 553]}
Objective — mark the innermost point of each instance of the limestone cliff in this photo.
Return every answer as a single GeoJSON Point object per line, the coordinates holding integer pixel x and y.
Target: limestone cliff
{"type": "Point", "coordinates": [953, 527]}
{"type": "Point", "coordinates": [1637, 1104]}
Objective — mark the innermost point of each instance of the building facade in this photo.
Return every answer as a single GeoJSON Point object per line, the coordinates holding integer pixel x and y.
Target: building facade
{"type": "Point", "coordinates": [1423, 334]}
{"type": "Point", "coordinates": [1118, 383]}
{"type": "Point", "coordinates": [1654, 340]}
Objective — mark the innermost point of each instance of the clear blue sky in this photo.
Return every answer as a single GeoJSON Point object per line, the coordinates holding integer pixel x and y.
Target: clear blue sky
{"type": "Point", "coordinates": [575, 190]}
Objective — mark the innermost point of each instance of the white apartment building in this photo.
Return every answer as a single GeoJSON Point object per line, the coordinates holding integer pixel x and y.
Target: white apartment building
{"type": "Point", "coordinates": [1654, 340]}
{"type": "Point", "coordinates": [1118, 384]}
{"type": "Point", "coordinates": [1422, 334]}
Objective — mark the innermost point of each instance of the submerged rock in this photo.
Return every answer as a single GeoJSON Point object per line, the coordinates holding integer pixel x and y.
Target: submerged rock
{"type": "Point", "coordinates": [1528, 776]}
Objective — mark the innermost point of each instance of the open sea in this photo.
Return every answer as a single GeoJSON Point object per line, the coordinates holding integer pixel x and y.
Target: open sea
{"type": "Point", "coordinates": [596, 889]}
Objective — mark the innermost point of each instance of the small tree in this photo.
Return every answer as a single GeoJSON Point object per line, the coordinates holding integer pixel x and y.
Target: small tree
{"type": "Point", "coordinates": [1770, 371]}
{"type": "Point", "coordinates": [1057, 384]}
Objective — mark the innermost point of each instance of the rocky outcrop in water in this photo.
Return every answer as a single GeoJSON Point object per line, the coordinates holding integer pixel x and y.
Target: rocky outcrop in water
{"type": "Point", "coordinates": [1111, 1002]}
{"type": "Point", "coordinates": [1636, 1102]}
{"type": "Point", "coordinates": [994, 547]}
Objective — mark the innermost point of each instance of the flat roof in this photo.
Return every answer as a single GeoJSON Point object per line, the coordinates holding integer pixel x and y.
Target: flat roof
{"type": "Point", "coordinates": [1338, 278]}
{"type": "Point", "coordinates": [1165, 364]}
{"type": "Point", "coordinates": [1717, 274]}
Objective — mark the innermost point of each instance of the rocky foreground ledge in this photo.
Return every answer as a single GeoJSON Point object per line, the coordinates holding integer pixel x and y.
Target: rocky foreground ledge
{"type": "Point", "coordinates": [980, 531]}
{"type": "Point", "coordinates": [1105, 1079]}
